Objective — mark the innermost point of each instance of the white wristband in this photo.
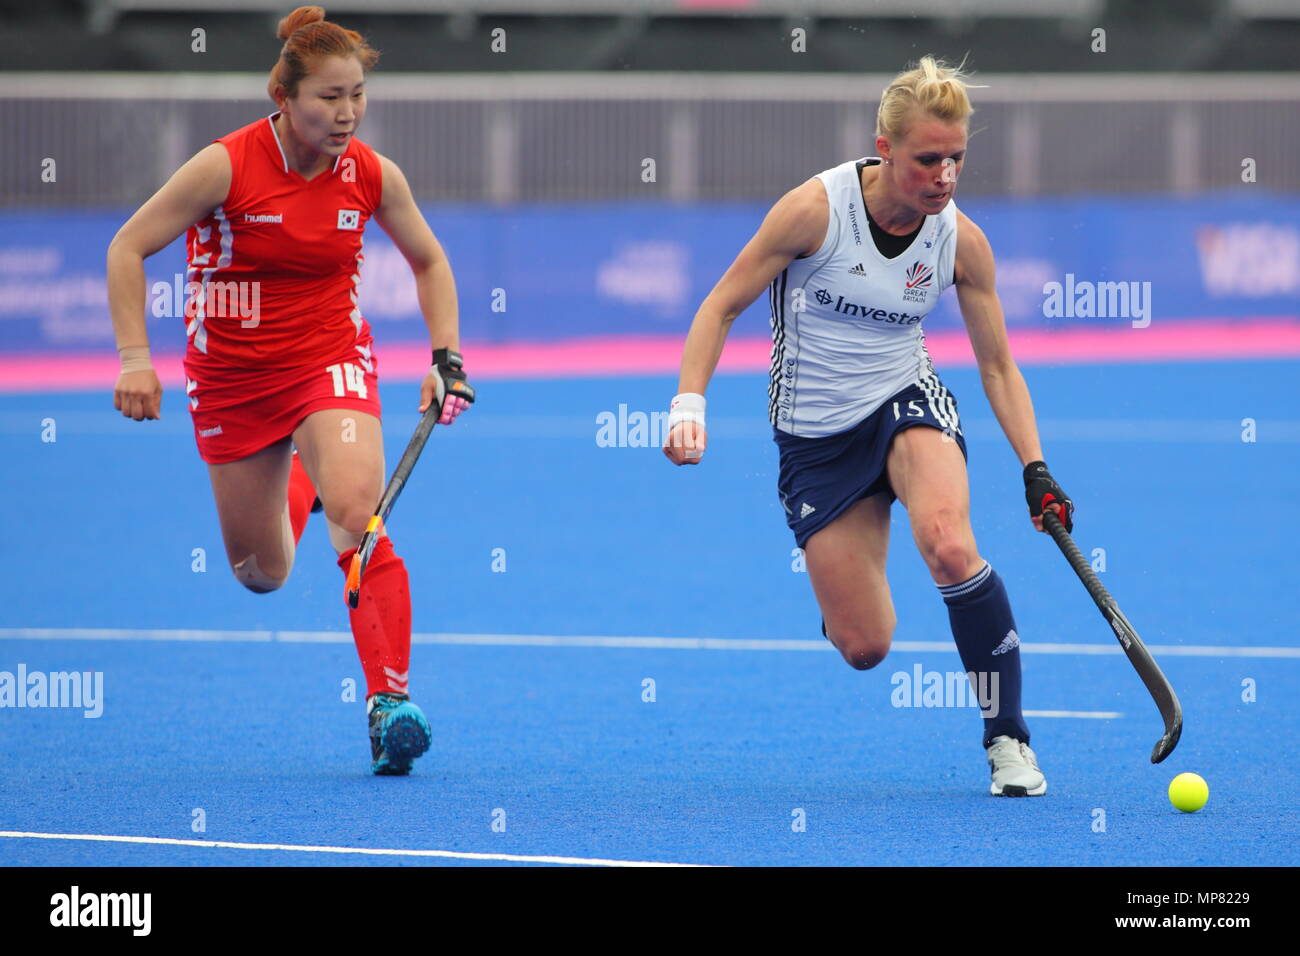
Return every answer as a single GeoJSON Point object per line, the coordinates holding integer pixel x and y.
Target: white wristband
{"type": "Point", "coordinates": [686, 407]}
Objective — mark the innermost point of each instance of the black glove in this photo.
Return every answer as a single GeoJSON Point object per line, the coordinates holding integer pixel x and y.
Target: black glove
{"type": "Point", "coordinates": [1042, 490]}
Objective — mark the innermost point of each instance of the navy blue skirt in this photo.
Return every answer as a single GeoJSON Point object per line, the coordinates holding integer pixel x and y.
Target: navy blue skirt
{"type": "Point", "coordinates": [821, 477]}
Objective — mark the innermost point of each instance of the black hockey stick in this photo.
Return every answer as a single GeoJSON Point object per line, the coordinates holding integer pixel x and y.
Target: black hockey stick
{"type": "Point", "coordinates": [1157, 684]}
{"type": "Point", "coordinates": [375, 528]}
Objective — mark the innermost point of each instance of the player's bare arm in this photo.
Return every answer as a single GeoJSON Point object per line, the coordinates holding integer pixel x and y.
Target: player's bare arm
{"type": "Point", "coordinates": [189, 196]}
{"type": "Point", "coordinates": [400, 217]}
{"type": "Point", "coordinates": [795, 226]}
{"type": "Point", "coordinates": [982, 312]}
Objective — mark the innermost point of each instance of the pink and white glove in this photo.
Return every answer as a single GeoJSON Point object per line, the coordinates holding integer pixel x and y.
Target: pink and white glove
{"type": "Point", "coordinates": [452, 407]}
{"type": "Point", "coordinates": [446, 385]}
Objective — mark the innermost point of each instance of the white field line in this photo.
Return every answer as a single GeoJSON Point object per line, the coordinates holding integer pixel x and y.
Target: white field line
{"type": "Point", "coordinates": [367, 851]}
{"type": "Point", "coordinates": [654, 643]}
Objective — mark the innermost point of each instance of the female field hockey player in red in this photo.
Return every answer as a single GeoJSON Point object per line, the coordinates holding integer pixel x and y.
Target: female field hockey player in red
{"type": "Point", "coordinates": [278, 356]}
{"type": "Point", "coordinates": [853, 260]}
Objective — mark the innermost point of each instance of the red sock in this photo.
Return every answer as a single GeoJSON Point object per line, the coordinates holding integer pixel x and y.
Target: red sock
{"type": "Point", "coordinates": [301, 496]}
{"type": "Point", "coordinates": [397, 619]}
{"type": "Point", "coordinates": [381, 621]}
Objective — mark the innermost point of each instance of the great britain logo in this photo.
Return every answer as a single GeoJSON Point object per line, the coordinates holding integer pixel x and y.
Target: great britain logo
{"type": "Point", "coordinates": [918, 275]}
{"type": "Point", "coordinates": [917, 285]}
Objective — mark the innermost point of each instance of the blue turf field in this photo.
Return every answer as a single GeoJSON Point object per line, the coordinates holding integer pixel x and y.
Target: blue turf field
{"type": "Point", "coordinates": [615, 542]}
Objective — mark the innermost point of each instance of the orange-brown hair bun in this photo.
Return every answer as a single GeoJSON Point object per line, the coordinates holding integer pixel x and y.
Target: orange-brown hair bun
{"type": "Point", "coordinates": [307, 36]}
{"type": "Point", "coordinates": [299, 18]}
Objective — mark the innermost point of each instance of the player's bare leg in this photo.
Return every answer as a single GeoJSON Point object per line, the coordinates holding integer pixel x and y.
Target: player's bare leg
{"type": "Point", "coordinates": [251, 497]}
{"type": "Point", "coordinates": [846, 565]}
{"type": "Point", "coordinates": [928, 473]}
{"type": "Point", "coordinates": [342, 451]}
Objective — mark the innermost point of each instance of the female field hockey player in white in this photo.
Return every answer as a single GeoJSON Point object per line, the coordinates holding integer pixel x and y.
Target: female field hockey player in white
{"type": "Point", "coordinates": [853, 260]}
{"type": "Point", "coordinates": [276, 211]}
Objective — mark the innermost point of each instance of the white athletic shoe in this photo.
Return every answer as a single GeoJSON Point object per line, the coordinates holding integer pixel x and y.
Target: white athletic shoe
{"type": "Point", "coordinates": [1015, 769]}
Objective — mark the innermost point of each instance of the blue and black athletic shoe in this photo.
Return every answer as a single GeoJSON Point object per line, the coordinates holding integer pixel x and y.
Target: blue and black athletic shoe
{"type": "Point", "coordinates": [399, 733]}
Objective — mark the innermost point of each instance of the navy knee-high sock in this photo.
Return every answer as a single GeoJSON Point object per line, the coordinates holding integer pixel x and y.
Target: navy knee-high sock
{"type": "Point", "coordinates": [989, 646]}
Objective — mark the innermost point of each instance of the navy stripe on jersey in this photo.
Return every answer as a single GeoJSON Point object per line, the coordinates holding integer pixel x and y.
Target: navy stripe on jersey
{"type": "Point", "coordinates": [776, 296]}
{"type": "Point", "coordinates": [940, 400]}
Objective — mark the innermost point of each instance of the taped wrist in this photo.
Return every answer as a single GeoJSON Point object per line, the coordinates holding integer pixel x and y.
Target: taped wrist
{"type": "Point", "coordinates": [686, 407]}
{"type": "Point", "coordinates": [135, 358]}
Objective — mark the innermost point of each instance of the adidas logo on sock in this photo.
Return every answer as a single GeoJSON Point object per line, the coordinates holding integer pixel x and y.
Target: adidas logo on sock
{"type": "Point", "coordinates": [1009, 643]}
{"type": "Point", "coordinates": [858, 271]}
{"type": "Point", "coordinates": [805, 510]}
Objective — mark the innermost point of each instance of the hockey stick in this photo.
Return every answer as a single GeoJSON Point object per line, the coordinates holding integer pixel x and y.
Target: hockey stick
{"type": "Point", "coordinates": [375, 528]}
{"type": "Point", "coordinates": [1137, 652]}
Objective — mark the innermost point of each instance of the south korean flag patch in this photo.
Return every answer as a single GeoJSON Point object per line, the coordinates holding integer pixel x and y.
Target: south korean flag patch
{"type": "Point", "coordinates": [349, 218]}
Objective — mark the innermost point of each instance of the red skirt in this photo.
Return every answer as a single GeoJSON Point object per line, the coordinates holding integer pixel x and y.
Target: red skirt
{"type": "Point", "coordinates": [239, 411]}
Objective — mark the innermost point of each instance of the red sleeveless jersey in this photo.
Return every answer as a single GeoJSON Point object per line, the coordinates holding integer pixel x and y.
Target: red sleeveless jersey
{"type": "Point", "coordinates": [273, 271]}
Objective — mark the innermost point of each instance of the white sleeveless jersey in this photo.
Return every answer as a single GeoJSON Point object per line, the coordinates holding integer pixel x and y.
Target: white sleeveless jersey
{"type": "Point", "coordinates": [846, 321]}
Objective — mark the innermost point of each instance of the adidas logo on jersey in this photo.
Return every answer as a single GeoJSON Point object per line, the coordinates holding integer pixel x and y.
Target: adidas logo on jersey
{"type": "Point", "coordinates": [858, 271]}
{"type": "Point", "coordinates": [1009, 643]}
{"type": "Point", "coordinates": [805, 510]}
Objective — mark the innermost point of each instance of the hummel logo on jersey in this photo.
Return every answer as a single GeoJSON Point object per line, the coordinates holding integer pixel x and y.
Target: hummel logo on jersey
{"type": "Point", "coordinates": [1009, 643]}
{"type": "Point", "coordinates": [249, 217]}
{"type": "Point", "coordinates": [216, 430]}
{"type": "Point", "coordinates": [805, 510]}
{"type": "Point", "coordinates": [858, 271]}
{"type": "Point", "coordinates": [349, 218]}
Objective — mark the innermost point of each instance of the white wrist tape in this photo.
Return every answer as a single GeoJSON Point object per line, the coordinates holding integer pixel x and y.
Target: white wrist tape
{"type": "Point", "coordinates": [686, 407]}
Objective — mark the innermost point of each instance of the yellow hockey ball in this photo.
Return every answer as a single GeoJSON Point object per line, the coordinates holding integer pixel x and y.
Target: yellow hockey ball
{"type": "Point", "coordinates": [1188, 792]}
